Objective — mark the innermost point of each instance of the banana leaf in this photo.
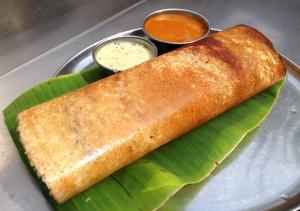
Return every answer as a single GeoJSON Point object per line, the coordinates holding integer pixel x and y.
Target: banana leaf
{"type": "Point", "coordinates": [147, 183]}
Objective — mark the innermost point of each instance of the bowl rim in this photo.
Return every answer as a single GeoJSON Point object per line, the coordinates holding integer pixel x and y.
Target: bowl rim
{"type": "Point", "coordinates": [170, 10]}
{"type": "Point", "coordinates": [133, 37]}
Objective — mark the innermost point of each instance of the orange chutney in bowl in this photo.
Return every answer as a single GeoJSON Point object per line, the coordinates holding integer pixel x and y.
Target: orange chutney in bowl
{"type": "Point", "coordinates": [176, 28]}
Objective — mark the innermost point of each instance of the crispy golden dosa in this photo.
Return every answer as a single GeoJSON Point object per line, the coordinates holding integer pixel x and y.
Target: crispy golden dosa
{"type": "Point", "coordinates": [75, 140]}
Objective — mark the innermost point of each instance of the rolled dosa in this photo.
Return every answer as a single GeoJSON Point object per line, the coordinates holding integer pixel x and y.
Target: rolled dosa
{"type": "Point", "coordinates": [77, 139]}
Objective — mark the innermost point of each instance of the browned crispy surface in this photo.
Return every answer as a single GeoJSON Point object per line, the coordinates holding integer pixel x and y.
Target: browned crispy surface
{"type": "Point", "coordinates": [76, 140]}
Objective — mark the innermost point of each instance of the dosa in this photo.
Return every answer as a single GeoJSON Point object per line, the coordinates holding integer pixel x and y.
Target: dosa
{"type": "Point", "coordinates": [76, 140]}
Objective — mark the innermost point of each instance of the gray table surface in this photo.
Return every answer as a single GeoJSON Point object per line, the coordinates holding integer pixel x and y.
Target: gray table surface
{"type": "Point", "coordinates": [30, 28]}
{"type": "Point", "coordinates": [36, 38]}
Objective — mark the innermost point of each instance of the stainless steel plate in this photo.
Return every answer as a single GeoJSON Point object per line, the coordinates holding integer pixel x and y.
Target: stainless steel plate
{"type": "Point", "coordinates": [262, 173]}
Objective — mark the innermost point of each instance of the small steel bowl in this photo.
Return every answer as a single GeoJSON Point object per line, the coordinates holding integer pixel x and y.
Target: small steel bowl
{"type": "Point", "coordinates": [136, 39]}
{"type": "Point", "coordinates": [190, 13]}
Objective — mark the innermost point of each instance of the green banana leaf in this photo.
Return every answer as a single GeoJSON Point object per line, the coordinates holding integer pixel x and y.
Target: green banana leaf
{"type": "Point", "coordinates": [147, 183]}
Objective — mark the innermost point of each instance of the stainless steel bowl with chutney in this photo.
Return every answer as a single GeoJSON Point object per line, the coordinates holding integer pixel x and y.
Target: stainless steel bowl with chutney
{"type": "Point", "coordinates": [121, 53]}
{"type": "Point", "coordinates": [176, 26]}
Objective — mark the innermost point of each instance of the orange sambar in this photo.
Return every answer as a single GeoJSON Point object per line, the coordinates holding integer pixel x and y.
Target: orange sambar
{"type": "Point", "coordinates": [177, 28]}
